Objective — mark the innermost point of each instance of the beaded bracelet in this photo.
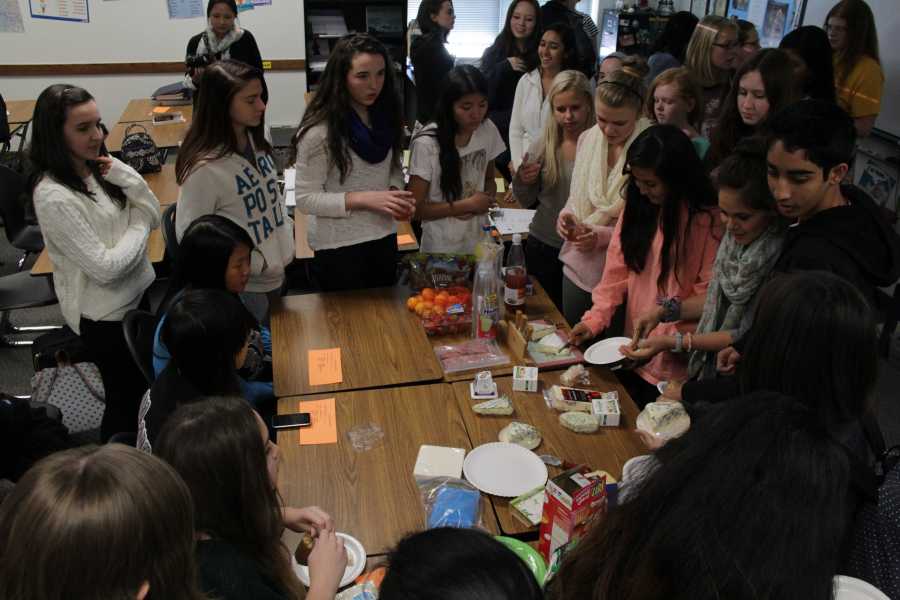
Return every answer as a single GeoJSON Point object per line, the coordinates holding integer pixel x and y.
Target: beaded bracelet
{"type": "Point", "coordinates": [671, 309]}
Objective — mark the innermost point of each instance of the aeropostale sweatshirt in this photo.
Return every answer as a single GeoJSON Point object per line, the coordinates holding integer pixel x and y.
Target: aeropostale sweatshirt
{"type": "Point", "coordinates": [249, 195]}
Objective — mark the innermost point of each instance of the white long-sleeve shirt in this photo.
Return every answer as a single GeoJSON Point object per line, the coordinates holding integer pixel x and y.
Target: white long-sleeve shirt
{"type": "Point", "coordinates": [98, 250]}
{"type": "Point", "coordinates": [321, 194]}
{"type": "Point", "coordinates": [530, 112]}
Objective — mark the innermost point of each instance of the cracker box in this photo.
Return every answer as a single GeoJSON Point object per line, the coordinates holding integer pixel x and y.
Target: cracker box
{"type": "Point", "coordinates": [574, 499]}
{"type": "Point", "coordinates": [525, 379]}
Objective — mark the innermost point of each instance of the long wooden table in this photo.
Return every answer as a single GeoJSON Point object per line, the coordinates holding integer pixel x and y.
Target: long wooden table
{"type": "Point", "coordinates": [381, 342]}
{"type": "Point", "coordinates": [143, 109]}
{"type": "Point", "coordinates": [372, 494]}
{"type": "Point", "coordinates": [163, 185]}
{"type": "Point", "coordinates": [156, 250]}
{"type": "Point", "coordinates": [608, 449]}
{"type": "Point", "coordinates": [20, 111]}
{"type": "Point", "coordinates": [166, 135]}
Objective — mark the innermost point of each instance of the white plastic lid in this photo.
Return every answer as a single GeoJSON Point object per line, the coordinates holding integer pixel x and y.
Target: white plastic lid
{"type": "Point", "coordinates": [517, 238]}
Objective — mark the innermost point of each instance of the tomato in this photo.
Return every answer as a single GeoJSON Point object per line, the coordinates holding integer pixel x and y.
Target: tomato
{"type": "Point", "coordinates": [439, 310]}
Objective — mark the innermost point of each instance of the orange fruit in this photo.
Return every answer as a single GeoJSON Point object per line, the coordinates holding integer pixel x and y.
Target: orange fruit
{"type": "Point", "coordinates": [428, 294]}
{"type": "Point", "coordinates": [420, 308]}
{"type": "Point", "coordinates": [411, 303]}
{"type": "Point", "coordinates": [442, 297]}
{"type": "Point", "coordinates": [427, 305]}
{"type": "Point", "coordinates": [439, 310]}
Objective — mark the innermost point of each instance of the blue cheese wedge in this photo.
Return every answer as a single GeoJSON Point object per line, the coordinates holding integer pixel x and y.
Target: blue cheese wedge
{"type": "Point", "coordinates": [521, 434]}
{"type": "Point", "coordinates": [551, 344]}
{"type": "Point", "coordinates": [664, 419]}
{"type": "Point", "coordinates": [579, 422]}
{"type": "Point", "coordinates": [498, 406]}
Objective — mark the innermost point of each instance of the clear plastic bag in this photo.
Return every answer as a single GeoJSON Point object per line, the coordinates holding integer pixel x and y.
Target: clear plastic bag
{"type": "Point", "coordinates": [474, 354]}
{"type": "Point", "coordinates": [450, 502]}
{"type": "Point", "coordinates": [365, 437]}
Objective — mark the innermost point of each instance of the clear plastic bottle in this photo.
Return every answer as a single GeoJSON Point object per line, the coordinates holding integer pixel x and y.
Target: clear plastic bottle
{"type": "Point", "coordinates": [485, 300]}
{"type": "Point", "coordinates": [515, 277]}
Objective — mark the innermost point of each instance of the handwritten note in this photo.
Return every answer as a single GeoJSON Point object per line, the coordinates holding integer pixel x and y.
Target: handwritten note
{"type": "Point", "coordinates": [325, 366]}
{"type": "Point", "coordinates": [323, 422]}
{"type": "Point", "coordinates": [404, 239]}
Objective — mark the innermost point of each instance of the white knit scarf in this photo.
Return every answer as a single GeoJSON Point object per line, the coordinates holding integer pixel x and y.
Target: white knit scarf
{"type": "Point", "coordinates": [596, 188]}
{"type": "Point", "coordinates": [216, 45]}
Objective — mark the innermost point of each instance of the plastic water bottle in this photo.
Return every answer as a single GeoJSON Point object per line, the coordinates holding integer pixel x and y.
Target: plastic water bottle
{"type": "Point", "coordinates": [515, 277]}
{"type": "Point", "coordinates": [485, 300]}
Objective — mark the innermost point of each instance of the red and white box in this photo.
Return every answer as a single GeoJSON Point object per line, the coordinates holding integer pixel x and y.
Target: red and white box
{"type": "Point", "coordinates": [574, 499]}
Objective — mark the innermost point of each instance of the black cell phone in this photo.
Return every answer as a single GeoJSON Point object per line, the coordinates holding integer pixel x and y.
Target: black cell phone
{"type": "Point", "coordinates": [291, 421]}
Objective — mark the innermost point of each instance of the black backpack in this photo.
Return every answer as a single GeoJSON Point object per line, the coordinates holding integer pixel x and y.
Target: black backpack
{"type": "Point", "coordinates": [139, 151]}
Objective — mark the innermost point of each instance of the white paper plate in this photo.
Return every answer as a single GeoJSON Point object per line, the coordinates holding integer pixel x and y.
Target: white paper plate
{"type": "Point", "coordinates": [606, 352]}
{"type": "Point", "coordinates": [850, 588]}
{"type": "Point", "coordinates": [503, 469]}
{"type": "Point", "coordinates": [354, 550]}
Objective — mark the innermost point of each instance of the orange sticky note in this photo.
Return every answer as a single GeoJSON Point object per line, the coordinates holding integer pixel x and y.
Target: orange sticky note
{"type": "Point", "coordinates": [405, 238]}
{"type": "Point", "coordinates": [325, 366]}
{"type": "Point", "coordinates": [162, 109]}
{"type": "Point", "coordinates": [322, 422]}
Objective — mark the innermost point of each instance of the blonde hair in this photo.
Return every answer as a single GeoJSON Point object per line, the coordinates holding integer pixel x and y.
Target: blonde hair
{"type": "Point", "coordinates": [96, 522]}
{"type": "Point", "coordinates": [699, 51]}
{"type": "Point", "coordinates": [687, 87]}
{"type": "Point", "coordinates": [624, 87]}
{"type": "Point", "coordinates": [566, 81]}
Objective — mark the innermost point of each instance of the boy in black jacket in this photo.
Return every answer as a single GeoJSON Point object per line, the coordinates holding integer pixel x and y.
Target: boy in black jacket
{"type": "Point", "coordinates": [837, 227]}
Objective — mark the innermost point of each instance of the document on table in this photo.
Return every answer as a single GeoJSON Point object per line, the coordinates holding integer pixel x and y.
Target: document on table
{"type": "Point", "coordinates": [512, 220]}
{"type": "Point", "coordinates": [325, 366]}
{"type": "Point", "coordinates": [322, 422]}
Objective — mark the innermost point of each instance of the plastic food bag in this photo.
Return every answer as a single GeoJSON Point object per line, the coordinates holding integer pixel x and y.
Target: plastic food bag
{"type": "Point", "coordinates": [450, 502]}
{"type": "Point", "coordinates": [440, 270]}
{"type": "Point", "coordinates": [474, 354]}
{"type": "Point", "coordinates": [365, 437]}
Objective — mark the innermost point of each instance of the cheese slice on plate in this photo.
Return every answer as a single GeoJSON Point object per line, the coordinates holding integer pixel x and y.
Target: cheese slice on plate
{"type": "Point", "coordinates": [499, 406]}
{"type": "Point", "coordinates": [552, 344]}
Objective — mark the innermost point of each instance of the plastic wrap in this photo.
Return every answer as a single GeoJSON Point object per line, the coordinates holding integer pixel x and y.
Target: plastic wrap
{"type": "Point", "coordinates": [471, 355]}
{"type": "Point", "coordinates": [450, 502]}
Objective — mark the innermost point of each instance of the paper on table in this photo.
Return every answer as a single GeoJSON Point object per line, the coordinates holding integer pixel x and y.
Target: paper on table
{"type": "Point", "coordinates": [325, 366]}
{"type": "Point", "coordinates": [405, 238]}
{"type": "Point", "coordinates": [512, 220]}
{"type": "Point", "coordinates": [322, 422]}
{"type": "Point", "coordinates": [161, 109]}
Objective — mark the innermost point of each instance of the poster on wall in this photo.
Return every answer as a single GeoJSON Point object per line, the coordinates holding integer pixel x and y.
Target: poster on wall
{"type": "Point", "coordinates": [262, 2]}
{"type": "Point", "coordinates": [773, 18]}
{"type": "Point", "coordinates": [185, 9]}
{"type": "Point", "coordinates": [243, 5]}
{"type": "Point", "coordinates": [11, 17]}
{"type": "Point", "coordinates": [60, 10]}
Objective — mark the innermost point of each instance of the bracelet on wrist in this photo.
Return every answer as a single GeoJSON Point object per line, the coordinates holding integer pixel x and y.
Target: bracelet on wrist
{"type": "Point", "coordinates": [679, 342]}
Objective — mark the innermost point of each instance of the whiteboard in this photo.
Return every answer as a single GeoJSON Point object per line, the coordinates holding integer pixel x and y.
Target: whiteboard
{"type": "Point", "coordinates": [887, 20]}
{"type": "Point", "coordinates": [140, 31]}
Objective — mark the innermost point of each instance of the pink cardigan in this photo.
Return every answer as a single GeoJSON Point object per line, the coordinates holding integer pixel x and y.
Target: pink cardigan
{"type": "Point", "coordinates": [619, 284]}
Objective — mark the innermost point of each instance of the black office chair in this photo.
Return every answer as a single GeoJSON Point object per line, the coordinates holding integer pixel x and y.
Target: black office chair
{"type": "Point", "coordinates": [21, 233]}
{"type": "Point", "coordinates": [21, 290]}
{"type": "Point", "coordinates": [168, 231]}
{"type": "Point", "coordinates": [140, 327]}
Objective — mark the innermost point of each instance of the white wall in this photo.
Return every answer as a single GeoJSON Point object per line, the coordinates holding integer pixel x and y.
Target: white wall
{"type": "Point", "coordinates": [140, 31]}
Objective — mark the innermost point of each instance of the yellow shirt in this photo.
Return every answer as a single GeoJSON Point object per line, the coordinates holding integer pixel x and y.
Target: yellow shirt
{"type": "Point", "coordinates": [860, 92]}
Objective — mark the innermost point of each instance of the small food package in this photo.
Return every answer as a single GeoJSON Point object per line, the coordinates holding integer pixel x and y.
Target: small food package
{"type": "Point", "coordinates": [438, 461]}
{"type": "Point", "coordinates": [525, 379]}
{"type": "Point", "coordinates": [664, 420]}
{"type": "Point", "coordinates": [450, 502]}
{"type": "Point", "coordinates": [568, 399]}
{"type": "Point", "coordinates": [606, 409]}
{"type": "Point", "coordinates": [529, 506]}
{"type": "Point", "coordinates": [573, 501]}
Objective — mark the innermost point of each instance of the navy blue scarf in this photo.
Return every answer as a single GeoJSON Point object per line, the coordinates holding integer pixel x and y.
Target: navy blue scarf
{"type": "Point", "coordinates": [372, 145]}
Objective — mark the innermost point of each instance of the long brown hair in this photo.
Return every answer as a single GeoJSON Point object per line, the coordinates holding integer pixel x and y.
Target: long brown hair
{"type": "Point", "coordinates": [211, 134]}
{"type": "Point", "coordinates": [48, 153]}
{"type": "Point", "coordinates": [777, 70]}
{"type": "Point", "coordinates": [97, 522]}
{"type": "Point", "coordinates": [862, 36]}
{"type": "Point", "coordinates": [215, 445]}
{"type": "Point", "coordinates": [331, 102]}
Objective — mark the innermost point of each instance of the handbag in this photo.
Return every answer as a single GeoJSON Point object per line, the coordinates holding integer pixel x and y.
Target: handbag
{"type": "Point", "coordinates": [139, 151]}
{"type": "Point", "coordinates": [76, 389]}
